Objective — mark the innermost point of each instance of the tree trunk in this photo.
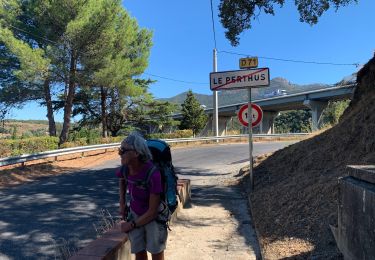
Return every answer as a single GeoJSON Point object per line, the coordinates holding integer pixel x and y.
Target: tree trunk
{"type": "Point", "coordinates": [69, 99]}
{"type": "Point", "coordinates": [51, 119]}
{"type": "Point", "coordinates": [112, 112]}
{"type": "Point", "coordinates": [104, 111]}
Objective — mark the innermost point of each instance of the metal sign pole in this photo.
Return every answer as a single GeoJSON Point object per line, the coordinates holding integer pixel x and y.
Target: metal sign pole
{"type": "Point", "coordinates": [215, 114]}
{"type": "Point", "coordinates": [259, 77]}
{"type": "Point", "coordinates": [250, 121]}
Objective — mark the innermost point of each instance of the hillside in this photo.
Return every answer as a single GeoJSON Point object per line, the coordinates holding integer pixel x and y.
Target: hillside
{"type": "Point", "coordinates": [24, 127]}
{"type": "Point", "coordinates": [238, 96]}
{"type": "Point", "coordinates": [296, 189]}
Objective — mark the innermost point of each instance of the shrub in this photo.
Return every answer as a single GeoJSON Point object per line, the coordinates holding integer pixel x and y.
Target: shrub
{"type": "Point", "coordinates": [27, 145]}
{"type": "Point", "coordinates": [111, 139]}
{"type": "Point", "coordinates": [4, 130]}
{"type": "Point", "coordinates": [177, 134]}
{"type": "Point", "coordinates": [85, 136]}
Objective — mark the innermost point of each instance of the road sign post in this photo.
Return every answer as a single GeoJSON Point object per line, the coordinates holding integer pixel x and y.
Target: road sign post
{"type": "Point", "coordinates": [250, 114]}
{"type": "Point", "coordinates": [250, 128]}
{"type": "Point", "coordinates": [249, 78]}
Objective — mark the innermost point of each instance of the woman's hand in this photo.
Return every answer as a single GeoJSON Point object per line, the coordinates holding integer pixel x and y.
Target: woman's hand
{"type": "Point", "coordinates": [126, 226]}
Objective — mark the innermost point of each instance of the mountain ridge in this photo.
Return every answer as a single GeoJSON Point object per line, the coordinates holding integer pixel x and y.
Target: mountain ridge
{"type": "Point", "coordinates": [228, 97]}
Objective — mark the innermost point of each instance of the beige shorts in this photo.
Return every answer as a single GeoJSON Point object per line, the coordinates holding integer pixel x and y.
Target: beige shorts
{"type": "Point", "coordinates": [151, 237]}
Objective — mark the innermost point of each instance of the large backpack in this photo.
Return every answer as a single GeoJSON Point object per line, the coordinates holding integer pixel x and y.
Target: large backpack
{"type": "Point", "coordinates": [162, 158]}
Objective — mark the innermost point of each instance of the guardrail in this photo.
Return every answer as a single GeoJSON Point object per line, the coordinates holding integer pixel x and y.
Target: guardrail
{"type": "Point", "coordinates": [55, 153]}
{"type": "Point", "coordinates": [215, 138]}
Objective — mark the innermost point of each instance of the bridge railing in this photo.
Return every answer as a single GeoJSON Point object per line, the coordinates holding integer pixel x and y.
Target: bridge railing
{"type": "Point", "coordinates": [82, 149]}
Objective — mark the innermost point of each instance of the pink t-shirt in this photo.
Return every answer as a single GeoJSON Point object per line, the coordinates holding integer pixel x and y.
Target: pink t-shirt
{"type": "Point", "coordinates": [140, 197]}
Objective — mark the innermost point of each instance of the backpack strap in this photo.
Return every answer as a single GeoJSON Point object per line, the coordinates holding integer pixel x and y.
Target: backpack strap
{"type": "Point", "coordinates": [140, 183]}
{"type": "Point", "coordinates": [149, 174]}
{"type": "Point", "coordinates": [143, 183]}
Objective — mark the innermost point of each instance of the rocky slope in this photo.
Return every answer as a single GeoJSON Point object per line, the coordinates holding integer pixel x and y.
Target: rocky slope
{"type": "Point", "coordinates": [295, 196]}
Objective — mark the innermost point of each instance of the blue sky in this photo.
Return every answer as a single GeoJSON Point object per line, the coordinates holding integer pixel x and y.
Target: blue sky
{"type": "Point", "coordinates": [184, 42]}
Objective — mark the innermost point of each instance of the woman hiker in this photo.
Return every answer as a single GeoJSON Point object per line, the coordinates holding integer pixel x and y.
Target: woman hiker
{"type": "Point", "coordinates": [145, 233]}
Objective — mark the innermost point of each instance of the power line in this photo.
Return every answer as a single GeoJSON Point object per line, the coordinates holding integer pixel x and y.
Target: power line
{"type": "Point", "coordinates": [176, 80]}
{"type": "Point", "coordinates": [228, 52]}
{"type": "Point", "coordinates": [291, 60]}
{"type": "Point", "coordinates": [42, 38]}
{"type": "Point", "coordinates": [213, 24]}
{"type": "Point", "coordinates": [56, 44]}
{"type": "Point", "coordinates": [153, 75]}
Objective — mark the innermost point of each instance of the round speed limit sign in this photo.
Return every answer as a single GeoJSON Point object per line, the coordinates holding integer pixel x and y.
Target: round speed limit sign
{"type": "Point", "coordinates": [256, 112]}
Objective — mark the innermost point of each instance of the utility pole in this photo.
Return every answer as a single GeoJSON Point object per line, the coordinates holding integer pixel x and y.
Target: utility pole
{"type": "Point", "coordinates": [250, 128]}
{"type": "Point", "coordinates": [215, 115]}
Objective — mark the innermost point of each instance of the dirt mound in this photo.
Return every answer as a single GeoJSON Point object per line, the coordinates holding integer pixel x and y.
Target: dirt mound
{"type": "Point", "coordinates": [295, 196]}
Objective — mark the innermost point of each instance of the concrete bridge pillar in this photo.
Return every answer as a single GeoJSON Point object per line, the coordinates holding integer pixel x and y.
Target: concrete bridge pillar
{"type": "Point", "coordinates": [267, 124]}
{"type": "Point", "coordinates": [317, 108]}
{"type": "Point", "coordinates": [208, 128]}
{"type": "Point", "coordinates": [223, 124]}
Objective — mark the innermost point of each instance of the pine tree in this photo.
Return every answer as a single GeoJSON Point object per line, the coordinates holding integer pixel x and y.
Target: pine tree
{"type": "Point", "coordinates": [91, 45]}
{"type": "Point", "coordinates": [193, 116]}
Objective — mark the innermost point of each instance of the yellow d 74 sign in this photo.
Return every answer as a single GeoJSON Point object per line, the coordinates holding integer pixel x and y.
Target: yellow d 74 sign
{"type": "Point", "coordinates": [251, 62]}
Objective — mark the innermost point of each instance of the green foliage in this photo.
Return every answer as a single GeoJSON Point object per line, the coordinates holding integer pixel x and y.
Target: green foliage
{"type": "Point", "coordinates": [296, 121]}
{"type": "Point", "coordinates": [38, 132]}
{"type": "Point", "coordinates": [26, 134]}
{"type": "Point", "coordinates": [123, 113]}
{"type": "Point", "coordinates": [76, 43]}
{"type": "Point", "coordinates": [127, 129]}
{"type": "Point", "coordinates": [333, 112]}
{"type": "Point", "coordinates": [187, 133]}
{"type": "Point", "coordinates": [236, 15]}
{"type": "Point", "coordinates": [14, 132]}
{"type": "Point", "coordinates": [112, 139]}
{"type": "Point", "coordinates": [4, 130]}
{"type": "Point", "coordinates": [33, 66]}
{"type": "Point", "coordinates": [152, 114]}
{"type": "Point", "coordinates": [85, 136]}
{"type": "Point", "coordinates": [27, 146]}
{"type": "Point", "coordinates": [32, 145]}
{"type": "Point", "coordinates": [193, 116]}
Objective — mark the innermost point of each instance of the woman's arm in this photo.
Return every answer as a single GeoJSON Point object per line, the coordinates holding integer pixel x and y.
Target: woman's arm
{"type": "Point", "coordinates": [150, 214]}
{"type": "Point", "coordinates": [152, 211]}
{"type": "Point", "coordinates": [122, 200]}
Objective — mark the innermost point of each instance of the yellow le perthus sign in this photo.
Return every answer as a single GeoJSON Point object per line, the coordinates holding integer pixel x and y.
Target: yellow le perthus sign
{"type": "Point", "coordinates": [251, 62]}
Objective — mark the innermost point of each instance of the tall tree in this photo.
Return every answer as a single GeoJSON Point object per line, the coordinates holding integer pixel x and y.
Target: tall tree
{"type": "Point", "coordinates": [193, 116]}
{"type": "Point", "coordinates": [127, 56]}
{"type": "Point", "coordinates": [236, 15]}
{"type": "Point", "coordinates": [151, 115]}
{"type": "Point", "coordinates": [76, 44]}
{"type": "Point", "coordinates": [28, 40]}
{"type": "Point", "coordinates": [92, 20]}
{"type": "Point", "coordinates": [139, 111]}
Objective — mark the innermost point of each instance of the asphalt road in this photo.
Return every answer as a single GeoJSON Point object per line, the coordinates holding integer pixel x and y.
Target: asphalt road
{"type": "Point", "coordinates": [34, 217]}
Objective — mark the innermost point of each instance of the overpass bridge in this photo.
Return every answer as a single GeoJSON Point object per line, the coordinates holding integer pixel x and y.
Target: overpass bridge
{"type": "Point", "coordinates": [315, 100]}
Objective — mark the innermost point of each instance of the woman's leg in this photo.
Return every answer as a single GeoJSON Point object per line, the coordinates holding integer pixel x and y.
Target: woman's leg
{"type": "Point", "coordinates": [141, 256]}
{"type": "Point", "coordinates": [156, 237]}
{"type": "Point", "coordinates": [159, 256]}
